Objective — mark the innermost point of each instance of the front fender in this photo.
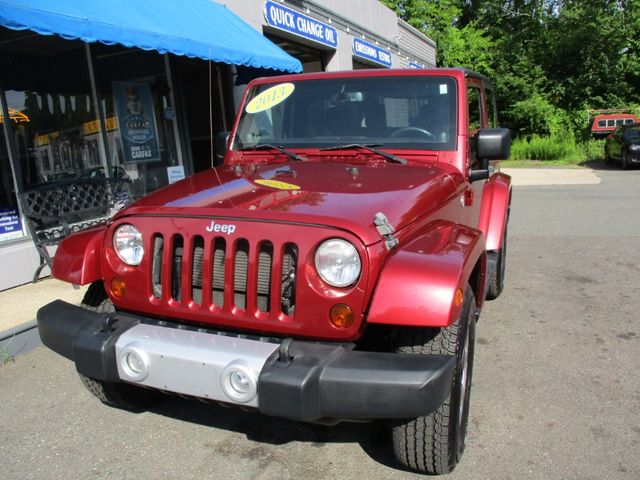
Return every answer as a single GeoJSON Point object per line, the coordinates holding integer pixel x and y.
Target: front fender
{"type": "Point", "coordinates": [496, 198]}
{"type": "Point", "coordinates": [77, 258]}
{"type": "Point", "coordinates": [418, 285]}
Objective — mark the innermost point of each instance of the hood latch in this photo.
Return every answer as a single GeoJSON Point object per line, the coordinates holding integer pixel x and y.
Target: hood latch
{"type": "Point", "coordinates": [385, 229]}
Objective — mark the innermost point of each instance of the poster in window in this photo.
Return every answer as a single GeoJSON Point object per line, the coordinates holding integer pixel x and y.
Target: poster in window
{"type": "Point", "coordinates": [136, 121]}
{"type": "Point", "coordinates": [10, 224]}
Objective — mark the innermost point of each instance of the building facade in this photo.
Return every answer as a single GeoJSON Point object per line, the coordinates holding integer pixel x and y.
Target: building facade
{"type": "Point", "coordinates": [63, 101]}
{"type": "Point", "coordinates": [330, 35]}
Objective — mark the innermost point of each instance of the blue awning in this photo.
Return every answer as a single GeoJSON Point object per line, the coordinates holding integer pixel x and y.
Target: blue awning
{"type": "Point", "coordinates": [193, 28]}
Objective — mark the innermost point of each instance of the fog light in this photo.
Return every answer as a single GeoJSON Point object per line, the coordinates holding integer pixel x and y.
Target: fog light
{"type": "Point", "coordinates": [238, 382]}
{"type": "Point", "coordinates": [118, 287]}
{"type": "Point", "coordinates": [341, 316]}
{"type": "Point", "coordinates": [134, 362]}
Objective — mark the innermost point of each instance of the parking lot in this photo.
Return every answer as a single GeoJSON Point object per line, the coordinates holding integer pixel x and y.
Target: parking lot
{"type": "Point", "coordinates": [556, 391]}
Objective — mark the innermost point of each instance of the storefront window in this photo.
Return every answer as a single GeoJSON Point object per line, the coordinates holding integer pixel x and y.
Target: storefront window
{"type": "Point", "coordinates": [134, 92]}
{"type": "Point", "coordinates": [10, 223]}
{"type": "Point", "coordinates": [54, 124]}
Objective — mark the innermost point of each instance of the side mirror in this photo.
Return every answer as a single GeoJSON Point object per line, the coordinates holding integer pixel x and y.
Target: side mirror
{"type": "Point", "coordinates": [491, 144]}
{"type": "Point", "coordinates": [220, 146]}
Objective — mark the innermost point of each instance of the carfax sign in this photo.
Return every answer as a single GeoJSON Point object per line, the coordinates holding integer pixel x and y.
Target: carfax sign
{"type": "Point", "coordinates": [371, 52]}
{"type": "Point", "coordinates": [292, 21]}
{"type": "Point", "coordinates": [136, 121]}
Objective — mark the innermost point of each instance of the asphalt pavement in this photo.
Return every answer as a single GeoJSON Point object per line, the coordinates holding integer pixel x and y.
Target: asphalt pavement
{"type": "Point", "coordinates": [556, 390]}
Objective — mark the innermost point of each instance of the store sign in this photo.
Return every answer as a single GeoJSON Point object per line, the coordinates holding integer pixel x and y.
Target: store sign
{"type": "Point", "coordinates": [10, 224]}
{"type": "Point", "coordinates": [292, 21]}
{"type": "Point", "coordinates": [415, 65]}
{"type": "Point", "coordinates": [136, 121]}
{"type": "Point", "coordinates": [371, 52]}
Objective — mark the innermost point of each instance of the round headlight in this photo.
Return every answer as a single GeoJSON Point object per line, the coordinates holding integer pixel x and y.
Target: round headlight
{"type": "Point", "coordinates": [338, 262]}
{"type": "Point", "coordinates": [127, 241]}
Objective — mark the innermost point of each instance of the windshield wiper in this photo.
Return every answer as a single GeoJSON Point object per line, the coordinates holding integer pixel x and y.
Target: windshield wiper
{"type": "Point", "coordinates": [369, 146]}
{"type": "Point", "coordinates": [268, 146]}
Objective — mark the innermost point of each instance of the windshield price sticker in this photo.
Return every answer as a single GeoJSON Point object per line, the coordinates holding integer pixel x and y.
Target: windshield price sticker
{"type": "Point", "coordinates": [277, 184]}
{"type": "Point", "coordinates": [270, 98]}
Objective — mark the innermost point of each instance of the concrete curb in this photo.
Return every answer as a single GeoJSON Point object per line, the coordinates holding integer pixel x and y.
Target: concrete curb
{"type": "Point", "coordinates": [15, 331]}
{"type": "Point", "coordinates": [551, 176]}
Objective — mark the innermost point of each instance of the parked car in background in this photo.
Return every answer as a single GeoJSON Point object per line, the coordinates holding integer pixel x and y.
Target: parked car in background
{"type": "Point", "coordinates": [605, 124]}
{"type": "Point", "coordinates": [623, 146]}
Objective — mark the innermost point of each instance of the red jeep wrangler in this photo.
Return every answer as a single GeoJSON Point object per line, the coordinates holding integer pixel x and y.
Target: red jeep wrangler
{"type": "Point", "coordinates": [332, 268]}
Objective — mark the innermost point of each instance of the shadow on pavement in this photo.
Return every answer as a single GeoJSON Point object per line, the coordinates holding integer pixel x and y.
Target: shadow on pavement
{"type": "Point", "coordinates": [374, 437]}
{"type": "Point", "coordinates": [601, 165]}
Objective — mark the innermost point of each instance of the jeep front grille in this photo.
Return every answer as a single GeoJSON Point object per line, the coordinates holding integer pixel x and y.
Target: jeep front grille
{"type": "Point", "coordinates": [224, 273]}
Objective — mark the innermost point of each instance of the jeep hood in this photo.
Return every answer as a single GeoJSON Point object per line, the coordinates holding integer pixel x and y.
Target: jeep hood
{"type": "Point", "coordinates": [340, 195]}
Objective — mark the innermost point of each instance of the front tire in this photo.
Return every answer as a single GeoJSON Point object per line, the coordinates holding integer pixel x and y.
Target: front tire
{"type": "Point", "coordinates": [496, 282]}
{"type": "Point", "coordinates": [117, 394]}
{"type": "Point", "coordinates": [625, 160]}
{"type": "Point", "coordinates": [435, 443]}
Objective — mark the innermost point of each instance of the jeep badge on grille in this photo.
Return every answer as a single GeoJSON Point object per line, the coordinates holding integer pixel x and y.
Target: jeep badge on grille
{"type": "Point", "coordinates": [221, 228]}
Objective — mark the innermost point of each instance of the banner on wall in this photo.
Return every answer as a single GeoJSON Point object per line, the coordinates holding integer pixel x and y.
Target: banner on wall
{"type": "Point", "coordinates": [136, 121]}
{"type": "Point", "coordinates": [292, 21]}
{"type": "Point", "coordinates": [371, 52]}
{"type": "Point", "coordinates": [10, 224]}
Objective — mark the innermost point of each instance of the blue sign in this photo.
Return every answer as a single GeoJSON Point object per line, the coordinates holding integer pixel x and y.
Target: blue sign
{"type": "Point", "coordinates": [136, 121]}
{"type": "Point", "coordinates": [371, 52]}
{"type": "Point", "coordinates": [415, 65]}
{"type": "Point", "coordinates": [10, 224]}
{"type": "Point", "coordinates": [292, 21]}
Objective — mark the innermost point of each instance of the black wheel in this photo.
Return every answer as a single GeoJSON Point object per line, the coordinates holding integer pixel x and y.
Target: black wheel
{"type": "Point", "coordinates": [496, 282]}
{"type": "Point", "coordinates": [434, 443]}
{"type": "Point", "coordinates": [625, 160]}
{"type": "Point", "coordinates": [119, 394]}
{"type": "Point", "coordinates": [96, 299]}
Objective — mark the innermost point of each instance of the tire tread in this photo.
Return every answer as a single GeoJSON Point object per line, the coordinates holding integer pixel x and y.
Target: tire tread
{"type": "Point", "coordinates": [424, 443]}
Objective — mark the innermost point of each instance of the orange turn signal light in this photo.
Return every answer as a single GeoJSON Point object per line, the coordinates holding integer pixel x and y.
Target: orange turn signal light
{"type": "Point", "coordinates": [118, 287]}
{"type": "Point", "coordinates": [459, 297]}
{"type": "Point", "coordinates": [341, 315]}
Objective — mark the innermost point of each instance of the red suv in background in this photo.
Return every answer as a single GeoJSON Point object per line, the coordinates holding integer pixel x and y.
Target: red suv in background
{"type": "Point", "coordinates": [604, 124]}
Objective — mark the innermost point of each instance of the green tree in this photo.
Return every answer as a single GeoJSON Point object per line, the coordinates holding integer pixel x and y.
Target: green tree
{"type": "Point", "coordinates": [550, 60]}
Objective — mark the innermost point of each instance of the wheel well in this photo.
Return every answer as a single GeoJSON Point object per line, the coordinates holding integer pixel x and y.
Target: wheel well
{"type": "Point", "coordinates": [476, 279]}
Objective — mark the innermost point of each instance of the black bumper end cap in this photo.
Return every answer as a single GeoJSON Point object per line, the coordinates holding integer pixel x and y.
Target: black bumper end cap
{"type": "Point", "coordinates": [331, 382]}
{"type": "Point", "coordinates": [85, 337]}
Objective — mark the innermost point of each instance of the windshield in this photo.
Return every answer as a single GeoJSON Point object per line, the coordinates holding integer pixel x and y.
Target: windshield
{"type": "Point", "coordinates": [401, 112]}
{"type": "Point", "coordinates": [632, 133]}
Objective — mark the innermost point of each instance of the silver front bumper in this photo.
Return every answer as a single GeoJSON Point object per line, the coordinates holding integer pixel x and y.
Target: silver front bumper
{"type": "Point", "coordinates": [193, 363]}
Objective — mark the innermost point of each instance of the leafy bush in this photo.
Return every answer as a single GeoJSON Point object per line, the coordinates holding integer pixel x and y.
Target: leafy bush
{"type": "Point", "coordinates": [537, 116]}
{"type": "Point", "coordinates": [593, 149]}
{"type": "Point", "coordinates": [545, 148]}
{"type": "Point", "coordinates": [554, 148]}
